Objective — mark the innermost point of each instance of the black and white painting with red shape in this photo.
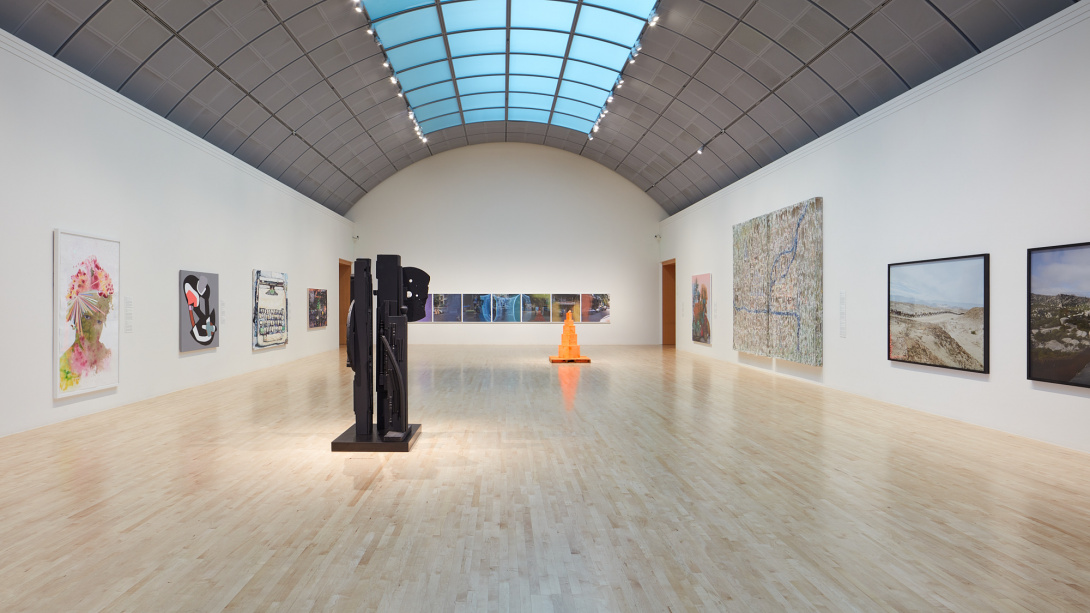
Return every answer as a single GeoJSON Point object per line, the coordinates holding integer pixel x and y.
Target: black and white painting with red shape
{"type": "Point", "coordinates": [198, 322]}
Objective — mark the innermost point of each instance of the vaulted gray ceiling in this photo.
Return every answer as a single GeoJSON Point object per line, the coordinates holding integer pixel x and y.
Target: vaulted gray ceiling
{"type": "Point", "coordinates": [297, 88]}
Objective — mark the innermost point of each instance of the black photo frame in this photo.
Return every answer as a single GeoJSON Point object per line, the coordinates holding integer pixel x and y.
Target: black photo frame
{"type": "Point", "coordinates": [935, 323]}
{"type": "Point", "coordinates": [1057, 313]}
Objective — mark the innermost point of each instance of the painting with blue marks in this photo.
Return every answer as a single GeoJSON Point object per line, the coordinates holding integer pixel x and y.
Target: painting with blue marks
{"type": "Point", "coordinates": [778, 284]}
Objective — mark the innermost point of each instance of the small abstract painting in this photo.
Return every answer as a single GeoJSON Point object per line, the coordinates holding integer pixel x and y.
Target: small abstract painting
{"type": "Point", "coordinates": [198, 320]}
{"type": "Point", "coordinates": [702, 302]}
{"type": "Point", "coordinates": [938, 313]}
{"type": "Point", "coordinates": [86, 277]}
{"type": "Point", "coordinates": [507, 307]}
{"type": "Point", "coordinates": [317, 308]}
{"type": "Point", "coordinates": [1059, 315]}
{"type": "Point", "coordinates": [562, 304]}
{"type": "Point", "coordinates": [594, 308]}
{"type": "Point", "coordinates": [270, 317]}
{"type": "Point", "coordinates": [446, 307]}
{"type": "Point", "coordinates": [535, 308]}
{"type": "Point", "coordinates": [476, 308]}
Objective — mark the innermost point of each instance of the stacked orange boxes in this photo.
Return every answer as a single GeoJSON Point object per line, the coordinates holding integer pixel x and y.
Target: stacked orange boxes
{"type": "Point", "coordinates": [569, 344]}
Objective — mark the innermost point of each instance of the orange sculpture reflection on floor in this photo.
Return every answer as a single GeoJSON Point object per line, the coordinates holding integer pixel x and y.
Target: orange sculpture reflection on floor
{"type": "Point", "coordinates": [569, 344]}
{"type": "Point", "coordinates": [569, 383]}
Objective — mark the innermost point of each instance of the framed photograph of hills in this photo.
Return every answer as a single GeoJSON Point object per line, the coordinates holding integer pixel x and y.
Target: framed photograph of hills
{"type": "Point", "coordinates": [1058, 330]}
{"type": "Point", "coordinates": [938, 313]}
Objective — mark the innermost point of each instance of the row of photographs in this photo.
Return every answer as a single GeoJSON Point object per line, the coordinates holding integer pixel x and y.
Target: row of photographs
{"type": "Point", "coordinates": [939, 313]}
{"type": "Point", "coordinates": [516, 308]}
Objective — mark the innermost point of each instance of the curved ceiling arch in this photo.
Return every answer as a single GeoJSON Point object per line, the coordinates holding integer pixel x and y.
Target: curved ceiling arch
{"type": "Point", "coordinates": [720, 88]}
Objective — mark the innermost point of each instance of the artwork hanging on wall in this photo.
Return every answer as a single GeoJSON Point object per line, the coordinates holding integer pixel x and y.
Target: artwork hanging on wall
{"type": "Point", "coordinates": [1058, 343]}
{"type": "Point", "coordinates": [198, 318]}
{"type": "Point", "coordinates": [317, 308]}
{"type": "Point", "coordinates": [535, 308]}
{"type": "Point", "coordinates": [86, 344]}
{"type": "Point", "coordinates": [446, 307]}
{"type": "Point", "coordinates": [778, 284]}
{"type": "Point", "coordinates": [507, 307]}
{"type": "Point", "coordinates": [594, 308]}
{"type": "Point", "coordinates": [270, 317]}
{"type": "Point", "coordinates": [476, 308]}
{"type": "Point", "coordinates": [702, 302]}
{"type": "Point", "coordinates": [562, 304]}
{"type": "Point", "coordinates": [429, 306]}
{"type": "Point", "coordinates": [938, 312]}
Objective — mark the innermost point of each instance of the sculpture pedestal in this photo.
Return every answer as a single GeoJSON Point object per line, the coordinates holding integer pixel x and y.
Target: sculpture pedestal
{"type": "Point", "coordinates": [347, 441]}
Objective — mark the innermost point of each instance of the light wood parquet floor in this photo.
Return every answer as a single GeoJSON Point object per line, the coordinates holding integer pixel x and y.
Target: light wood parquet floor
{"type": "Point", "coordinates": [648, 480]}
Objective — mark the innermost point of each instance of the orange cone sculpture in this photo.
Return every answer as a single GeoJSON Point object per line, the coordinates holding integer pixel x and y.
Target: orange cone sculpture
{"type": "Point", "coordinates": [569, 344]}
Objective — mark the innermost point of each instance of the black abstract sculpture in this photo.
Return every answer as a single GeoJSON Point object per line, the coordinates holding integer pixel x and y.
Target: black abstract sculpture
{"type": "Point", "coordinates": [382, 357]}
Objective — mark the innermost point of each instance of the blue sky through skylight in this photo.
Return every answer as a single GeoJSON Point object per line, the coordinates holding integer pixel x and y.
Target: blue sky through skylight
{"type": "Point", "coordinates": [458, 61]}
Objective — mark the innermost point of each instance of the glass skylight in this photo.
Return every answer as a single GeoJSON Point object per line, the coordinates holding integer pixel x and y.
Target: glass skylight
{"type": "Point", "coordinates": [546, 61]}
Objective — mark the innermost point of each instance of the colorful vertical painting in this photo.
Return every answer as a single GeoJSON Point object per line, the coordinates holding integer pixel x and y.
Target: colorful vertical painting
{"type": "Point", "coordinates": [535, 308]}
{"type": "Point", "coordinates": [594, 308]}
{"type": "Point", "coordinates": [87, 279]}
{"type": "Point", "coordinates": [476, 308]}
{"type": "Point", "coordinates": [778, 292]}
{"type": "Point", "coordinates": [702, 302]}
{"type": "Point", "coordinates": [1058, 328]}
{"type": "Point", "coordinates": [270, 317]}
{"type": "Point", "coordinates": [446, 308]}
{"type": "Point", "coordinates": [507, 308]}
{"type": "Point", "coordinates": [198, 317]}
{"type": "Point", "coordinates": [562, 304]}
{"type": "Point", "coordinates": [317, 308]}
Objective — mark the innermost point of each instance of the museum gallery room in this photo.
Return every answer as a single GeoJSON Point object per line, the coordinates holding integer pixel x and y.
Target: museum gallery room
{"type": "Point", "coordinates": [545, 305]}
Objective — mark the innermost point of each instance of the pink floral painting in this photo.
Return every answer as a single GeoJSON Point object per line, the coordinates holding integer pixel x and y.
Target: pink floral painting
{"type": "Point", "coordinates": [87, 272]}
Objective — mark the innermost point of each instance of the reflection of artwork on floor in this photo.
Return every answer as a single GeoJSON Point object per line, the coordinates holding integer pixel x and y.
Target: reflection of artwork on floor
{"type": "Point", "coordinates": [938, 312]}
{"type": "Point", "coordinates": [446, 307]}
{"type": "Point", "coordinates": [429, 306]}
{"type": "Point", "coordinates": [535, 307]}
{"type": "Point", "coordinates": [507, 307]}
{"type": "Point", "coordinates": [778, 284]}
{"type": "Point", "coordinates": [1059, 314]}
{"type": "Point", "coordinates": [702, 302]}
{"type": "Point", "coordinates": [562, 304]}
{"type": "Point", "coordinates": [86, 276]}
{"type": "Point", "coordinates": [594, 308]}
{"type": "Point", "coordinates": [198, 325]}
{"type": "Point", "coordinates": [476, 308]}
{"type": "Point", "coordinates": [317, 308]}
{"type": "Point", "coordinates": [270, 315]}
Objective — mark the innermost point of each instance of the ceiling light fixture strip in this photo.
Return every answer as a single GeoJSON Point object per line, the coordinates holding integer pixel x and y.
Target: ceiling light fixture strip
{"type": "Point", "coordinates": [393, 73]}
{"type": "Point", "coordinates": [652, 21]}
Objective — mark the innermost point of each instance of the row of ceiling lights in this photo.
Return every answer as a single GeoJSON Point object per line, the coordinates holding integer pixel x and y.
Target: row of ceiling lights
{"type": "Point", "coordinates": [652, 21]}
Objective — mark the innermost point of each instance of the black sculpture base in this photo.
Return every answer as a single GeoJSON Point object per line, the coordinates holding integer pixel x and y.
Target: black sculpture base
{"type": "Point", "coordinates": [348, 442]}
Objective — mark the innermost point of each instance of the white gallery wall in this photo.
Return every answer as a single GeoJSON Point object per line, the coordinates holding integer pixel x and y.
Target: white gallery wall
{"type": "Point", "coordinates": [507, 218]}
{"type": "Point", "coordinates": [79, 157]}
{"type": "Point", "coordinates": [990, 157]}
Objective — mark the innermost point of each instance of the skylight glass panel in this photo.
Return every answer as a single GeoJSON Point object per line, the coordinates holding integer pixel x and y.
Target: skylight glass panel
{"type": "Point", "coordinates": [378, 9]}
{"type": "Point", "coordinates": [480, 85]}
{"type": "Point", "coordinates": [534, 41]}
{"type": "Point", "coordinates": [484, 115]}
{"type": "Point", "coordinates": [536, 65]}
{"type": "Point", "coordinates": [578, 109]}
{"type": "Point", "coordinates": [424, 75]}
{"type": "Point", "coordinates": [578, 91]}
{"type": "Point", "coordinates": [400, 29]}
{"type": "Point", "coordinates": [543, 14]}
{"type": "Point", "coordinates": [475, 15]}
{"type": "Point", "coordinates": [637, 8]}
{"type": "Point", "coordinates": [477, 65]}
{"type": "Point", "coordinates": [611, 26]}
{"type": "Point", "coordinates": [531, 101]}
{"type": "Point", "coordinates": [574, 123]}
{"type": "Point", "coordinates": [590, 74]}
{"type": "Point", "coordinates": [431, 93]}
{"type": "Point", "coordinates": [421, 52]}
{"type": "Point", "coordinates": [435, 109]}
{"type": "Point", "coordinates": [480, 41]}
{"type": "Point", "coordinates": [528, 115]}
{"type": "Point", "coordinates": [598, 52]}
{"type": "Point", "coordinates": [446, 121]}
{"type": "Point", "coordinates": [483, 101]}
{"type": "Point", "coordinates": [537, 85]}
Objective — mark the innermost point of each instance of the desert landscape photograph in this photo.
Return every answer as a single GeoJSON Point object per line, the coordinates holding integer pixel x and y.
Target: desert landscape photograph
{"type": "Point", "coordinates": [938, 312]}
{"type": "Point", "coordinates": [1059, 314]}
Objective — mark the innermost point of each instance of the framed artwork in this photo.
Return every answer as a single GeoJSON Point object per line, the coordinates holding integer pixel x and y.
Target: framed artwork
{"type": "Point", "coordinates": [270, 316]}
{"type": "Point", "coordinates": [446, 307]}
{"type": "Point", "coordinates": [535, 308]}
{"type": "Point", "coordinates": [86, 339]}
{"type": "Point", "coordinates": [476, 308]}
{"type": "Point", "coordinates": [702, 303]}
{"type": "Point", "coordinates": [562, 304]}
{"type": "Point", "coordinates": [317, 308]}
{"type": "Point", "coordinates": [507, 307]}
{"type": "Point", "coordinates": [1058, 328]}
{"type": "Point", "coordinates": [429, 306]}
{"type": "Point", "coordinates": [938, 312]}
{"type": "Point", "coordinates": [198, 306]}
{"type": "Point", "coordinates": [594, 308]}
